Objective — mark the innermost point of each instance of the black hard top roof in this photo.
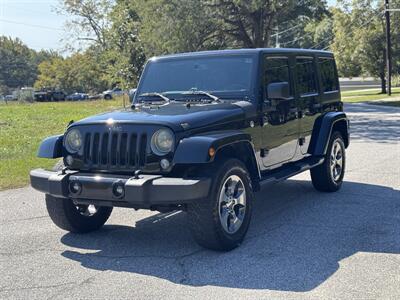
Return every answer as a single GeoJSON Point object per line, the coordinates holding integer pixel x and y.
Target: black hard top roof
{"type": "Point", "coordinates": [249, 51]}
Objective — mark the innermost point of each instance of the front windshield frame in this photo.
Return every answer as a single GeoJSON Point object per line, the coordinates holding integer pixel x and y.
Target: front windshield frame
{"type": "Point", "coordinates": [248, 95]}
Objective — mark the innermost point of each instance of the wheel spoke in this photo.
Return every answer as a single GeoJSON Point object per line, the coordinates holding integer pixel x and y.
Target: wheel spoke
{"type": "Point", "coordinates": [235, 224]}
{"type": "Point", "coordinates": [230, 187]}
{"type": "Point", "coordinates": [339, 162]}
{"type": "Point", "coordinates": [224, 216]}
{"type": "Point", "coordinates": [241, 197]}
{"type": "Point", "coordinates": [239, 211]}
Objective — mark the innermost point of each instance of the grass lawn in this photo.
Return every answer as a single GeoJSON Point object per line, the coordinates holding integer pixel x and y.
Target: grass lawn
{"type": "Point", "coordinates": [23, 126]}
{"type": "Point", "coordinates": [368, 95]}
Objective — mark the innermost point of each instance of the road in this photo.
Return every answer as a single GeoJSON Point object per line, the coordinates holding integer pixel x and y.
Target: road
{"type": "Point", "coordinates": [347, 84]}
{"type": "Point", "coordinates": [301, 244]}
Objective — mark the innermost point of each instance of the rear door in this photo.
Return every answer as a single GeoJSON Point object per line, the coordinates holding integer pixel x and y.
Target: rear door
{"type": "Point", "coordinates": [280, 123]}
{"type": "Point", "coordinates": [308, 98]}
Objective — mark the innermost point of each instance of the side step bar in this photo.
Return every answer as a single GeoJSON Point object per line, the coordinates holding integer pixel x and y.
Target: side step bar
{"type": "Point", "coordinates": [290, 170]}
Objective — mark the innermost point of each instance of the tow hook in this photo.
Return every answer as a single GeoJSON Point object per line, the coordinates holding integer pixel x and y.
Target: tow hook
{"type": "Point", "coordinates": [137, 173]}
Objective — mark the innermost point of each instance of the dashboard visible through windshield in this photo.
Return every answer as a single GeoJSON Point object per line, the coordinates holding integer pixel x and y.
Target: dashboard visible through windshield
{"type": "Point", "coordinates": [220, 74]}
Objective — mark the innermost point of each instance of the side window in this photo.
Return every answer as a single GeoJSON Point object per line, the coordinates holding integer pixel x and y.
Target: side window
{"type": "Point", "coordinates": [328, 74]}
{"type": "Point", "coordinates": [276, 69]}
{"type": "Point", "coordinates": [305, 75]}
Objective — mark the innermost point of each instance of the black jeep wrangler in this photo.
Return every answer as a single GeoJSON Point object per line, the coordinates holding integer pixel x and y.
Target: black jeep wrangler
{"type": "Point", "coordinates": [206, 130]}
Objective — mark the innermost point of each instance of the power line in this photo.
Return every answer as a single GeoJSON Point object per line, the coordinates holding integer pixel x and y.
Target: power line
{"type": "Point", "coordinates": [31, 25]}
{"type": "Point", "coordinates": [294, 41]}
{"type": "Point", "coordinates": [287, 30]}
{"type": "Point", "coordinates": [332, 34]}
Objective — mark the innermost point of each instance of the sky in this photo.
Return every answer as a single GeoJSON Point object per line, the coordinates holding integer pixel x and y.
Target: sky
{"type": "Point", "coordinates": [36, 22]}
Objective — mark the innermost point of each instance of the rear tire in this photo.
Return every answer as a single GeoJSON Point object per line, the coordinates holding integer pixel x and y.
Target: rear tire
{"type": "Point", "coordinates": [78, 219]}
{"type": "Point", "coordinates": [220, 222]}
{"type": "Point", "coordinates": [328, 177]}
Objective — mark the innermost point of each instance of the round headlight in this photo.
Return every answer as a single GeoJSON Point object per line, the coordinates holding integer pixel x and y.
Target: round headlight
{"type": "Point", "coordinates": [162, 142]}
{"type": "Point", "coordinates": [73, 141]}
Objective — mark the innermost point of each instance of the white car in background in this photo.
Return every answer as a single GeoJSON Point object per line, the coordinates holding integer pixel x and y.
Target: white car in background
{"type": "Point", "coordinates": [109, 94]}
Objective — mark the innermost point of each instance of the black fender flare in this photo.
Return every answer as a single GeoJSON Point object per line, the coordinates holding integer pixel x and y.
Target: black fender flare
{"type": "Point", "coordinates": [195, 149]}
{"type": "Point", "coordinates": [323, 129]}
{"type": "Point", "coordinates": [51, 147]}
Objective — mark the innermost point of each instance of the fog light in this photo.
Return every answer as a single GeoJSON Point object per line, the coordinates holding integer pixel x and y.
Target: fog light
{"type": "Point", "coordinates": [69, 160]}
{"type": "Point", "coordinates": [75, 187]}
{"type": "Point", "coordinates": [118, 189]}
{"type": "Point", "coordinates": [164, 163]}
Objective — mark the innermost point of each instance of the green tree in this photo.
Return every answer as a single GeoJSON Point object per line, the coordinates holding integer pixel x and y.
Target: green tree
{"type": "Point", "coordinates": [343, 45]}
{"type": "Point", "coordinates": [252, 23]}
{"type": "Point", "coordinates": [362, 21]}
{"type": "Point", "coordinates": [172, 26]}
{"type": "Point", "coordinates": [17, 66]}
{"type": "Point", "coordinates": [77, 73]}
{"type": "Point", "coordinates": [88, 21]}
{"type": "Point", "coordinates": [124, 58]}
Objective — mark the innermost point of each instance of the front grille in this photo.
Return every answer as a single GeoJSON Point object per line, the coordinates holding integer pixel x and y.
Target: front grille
{"type": "Point", "coordinates": [117, 151]}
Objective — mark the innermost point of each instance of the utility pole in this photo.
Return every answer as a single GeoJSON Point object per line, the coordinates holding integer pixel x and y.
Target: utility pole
{"type": "Point", "coordinates": [277, 45]}
{"type": "Point", "coordinates": [388, 49]}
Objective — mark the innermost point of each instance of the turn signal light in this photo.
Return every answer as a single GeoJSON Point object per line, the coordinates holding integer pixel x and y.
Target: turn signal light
{"type": "Point", "coordinates": [211, 152]}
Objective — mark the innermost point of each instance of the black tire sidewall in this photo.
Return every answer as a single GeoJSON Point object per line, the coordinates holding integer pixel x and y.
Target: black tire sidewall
{"type": "Point", "coordinates": [65, 215]}
{"type": "Point", "coordinates": [86, 223]}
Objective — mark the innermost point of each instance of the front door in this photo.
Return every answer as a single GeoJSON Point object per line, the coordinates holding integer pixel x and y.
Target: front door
{"type": "Point", "coordinates": [280, 131]}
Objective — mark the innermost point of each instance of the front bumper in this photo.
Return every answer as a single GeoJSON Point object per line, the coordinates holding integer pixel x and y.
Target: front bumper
{"type": "Point", "coordinates": [144, 192]}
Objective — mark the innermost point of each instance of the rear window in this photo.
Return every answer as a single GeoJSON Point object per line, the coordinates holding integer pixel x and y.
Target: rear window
{"type": "Point", "coordinates": [328, 74]}
{"type": "Point", "coordinates": [305, 75]}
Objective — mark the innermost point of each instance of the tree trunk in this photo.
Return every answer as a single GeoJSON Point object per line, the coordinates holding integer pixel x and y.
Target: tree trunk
{"type": "Point", "coordinates": [383, 83]}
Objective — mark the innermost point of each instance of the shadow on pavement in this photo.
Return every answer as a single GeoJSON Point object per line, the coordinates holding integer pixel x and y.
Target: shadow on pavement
{"type": "Point", "coordinates": [374, 123]}
{"type": "Point", "coordinates": [296, 240]}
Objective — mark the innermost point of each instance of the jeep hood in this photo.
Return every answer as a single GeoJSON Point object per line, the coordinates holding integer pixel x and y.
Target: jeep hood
{"type": "Point", "coordinates": [177, 116]}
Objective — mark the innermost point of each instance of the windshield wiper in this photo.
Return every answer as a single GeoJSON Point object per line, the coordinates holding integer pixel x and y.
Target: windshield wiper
{"type": "Point", "coordinates": [195, 92]}
{"type": "Point", "coordinates": [166, 99]}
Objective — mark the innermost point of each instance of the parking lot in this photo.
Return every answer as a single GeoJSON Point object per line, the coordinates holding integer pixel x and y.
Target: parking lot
{"type": "Point", "coordinates": [301, 243]}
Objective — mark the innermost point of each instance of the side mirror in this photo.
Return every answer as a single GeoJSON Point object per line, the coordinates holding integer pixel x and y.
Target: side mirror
{"type": "Point", "coordinates": [278, 90]}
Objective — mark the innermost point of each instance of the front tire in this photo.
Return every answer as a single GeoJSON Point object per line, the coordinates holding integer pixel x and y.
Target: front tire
{"type": "Point", "coordinates": [328, 177]}
{"type": "Point", "coordinates": [76, 218]}
{"type": "Point", "coordinates": [220, 222]}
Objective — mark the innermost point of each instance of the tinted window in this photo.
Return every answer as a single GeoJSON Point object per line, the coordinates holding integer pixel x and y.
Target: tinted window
{"type": "Point", "coordinates": [305, 78]}
{"type": "Point", "coordinates": [219, 73]}
{"type": "Point", "coordinates": [277, 70]}
{"type": "Point", "coordinates": [328, 74]}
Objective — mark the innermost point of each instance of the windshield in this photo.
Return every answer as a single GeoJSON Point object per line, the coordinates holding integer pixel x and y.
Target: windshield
{"type": "Point", "coordinates": [219, 74]}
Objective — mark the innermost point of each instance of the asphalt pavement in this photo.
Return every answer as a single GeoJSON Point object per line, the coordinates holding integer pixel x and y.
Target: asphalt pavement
{"type": "Point", "coordinates": [301, 244]}
{"type": "Point", "coordinates": [353, 84]}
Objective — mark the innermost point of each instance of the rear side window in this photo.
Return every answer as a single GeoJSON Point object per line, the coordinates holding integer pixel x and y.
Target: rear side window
{"type": "Point", "coordinates": [328, 74]}
{"type": "Point", "coordinates": [305, 75]}
{"type": "Point", "coordinates": [277, 70]}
